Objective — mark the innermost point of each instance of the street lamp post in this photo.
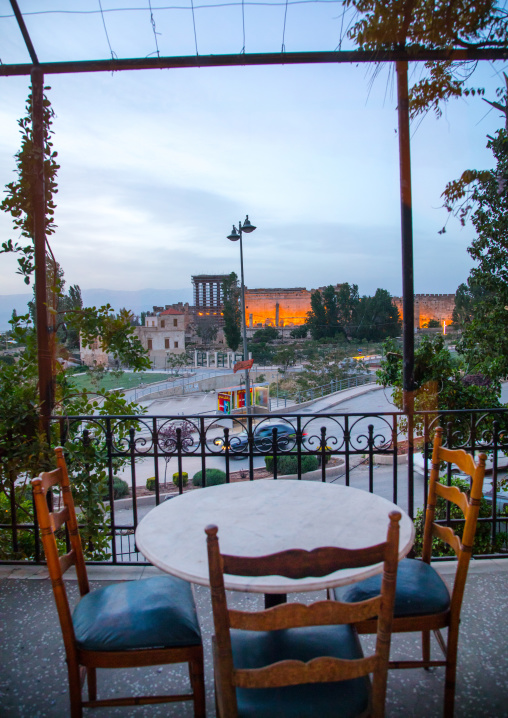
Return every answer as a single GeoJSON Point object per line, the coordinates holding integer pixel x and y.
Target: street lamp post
{"type": "Point", "coordinates": [234, 237]}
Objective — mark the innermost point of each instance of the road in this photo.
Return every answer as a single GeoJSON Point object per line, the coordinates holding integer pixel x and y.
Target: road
{"type": "Point", "coordinates": [373, 401]}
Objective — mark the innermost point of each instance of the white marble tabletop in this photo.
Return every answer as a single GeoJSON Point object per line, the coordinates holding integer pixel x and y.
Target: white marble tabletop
{"type": "Point", "coordinates": [256, 518]}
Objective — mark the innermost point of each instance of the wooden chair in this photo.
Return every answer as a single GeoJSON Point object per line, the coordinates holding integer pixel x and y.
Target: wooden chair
{"type": "Point", "coordinates": [295, 659]}
{"type": "Point", "coordinates": [124, 625]}
{"type": "Point", "coordinates": [423, 601]}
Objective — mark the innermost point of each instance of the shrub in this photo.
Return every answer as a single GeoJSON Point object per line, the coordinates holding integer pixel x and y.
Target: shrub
{"type": "Point", "coordinates": [176, 478]}
{"type": "Point", "coordinates": [120, 488]}
{"type": "Point", "coordinates": [150, 483]}
{"type": "Point", "coordinates": [213, 477]}
{"type": "Point", "coordinates": [483, 538]}
{"type": "Point", "coordinates": [288, 464]}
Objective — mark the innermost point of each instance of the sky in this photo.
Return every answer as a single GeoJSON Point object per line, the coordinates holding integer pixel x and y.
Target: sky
{"type": "Point", "coordinates": [157, 165]}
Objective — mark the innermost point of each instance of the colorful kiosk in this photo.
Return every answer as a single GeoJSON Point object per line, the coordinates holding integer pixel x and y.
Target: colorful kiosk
{"type": "Point", "coordinates": [234, 398]}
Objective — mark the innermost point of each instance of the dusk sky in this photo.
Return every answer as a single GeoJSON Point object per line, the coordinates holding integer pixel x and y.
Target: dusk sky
{"type": "Point", "coordinates": [157, 165]}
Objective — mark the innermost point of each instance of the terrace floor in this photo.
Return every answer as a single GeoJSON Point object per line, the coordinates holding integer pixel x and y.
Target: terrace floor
{"type": "Point", "coordinates": [33, 680]}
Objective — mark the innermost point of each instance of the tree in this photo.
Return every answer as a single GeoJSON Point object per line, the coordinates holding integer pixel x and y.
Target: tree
{"type": "Point", "coordinates": [321, 369]}
{"type": "Point", "coordinates": [396, 24]}
{"type": "Point", "coordinates": [168, 440]}
{"type": "Point", "coordinates": [266, 335]}
{"type": "Point", "coordinates": [466, 298]}
{"type": "Point", "coordinates": [285, 357]}
{"type": "Point", "coordinates": [348, 301]}
{"type": "Point", "coordinates": [439, 380]}
{"type": "Point", "coordinates": [176, 361]}
{"type": "Point", "coordinates": [377, 317]}
{"type": "Point", "coordinates": [262, 353]}
{"type": "Point", "coordinates": [207, 329]}
{"type": "Point", "coordinates": [484, 339]}
{"type": "Point", "coordinates": [25, 448]}
{"type": "Point", "coordinates": [231, 311]}
{"type": "Point", "coordinates": [299, 332]}
{"type": "Point", "coordinates": [316, 317]}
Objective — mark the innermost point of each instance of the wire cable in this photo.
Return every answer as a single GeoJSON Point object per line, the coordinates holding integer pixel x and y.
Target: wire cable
{"type": "Point", "coordinates": [155, 33]}
{"type": "Point", "coordinates": [113, 54]}
{"type": "Point", "coordinates": [283, 48]}
{"type": "Point", "coordinates": [243, 25]}
{"type": "Point", "coordinates": [194, 24]}
{"type": "Point", "coordinates": [235, 3]}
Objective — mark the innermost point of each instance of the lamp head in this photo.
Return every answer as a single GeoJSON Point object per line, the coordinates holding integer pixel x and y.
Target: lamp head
{"type": "Point", "coordinates": [234, 236]}
{"type": "Point", "coordinates": [247, 226]}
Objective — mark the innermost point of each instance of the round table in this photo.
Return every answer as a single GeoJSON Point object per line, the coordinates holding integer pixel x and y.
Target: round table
{"type": "Point", "coordinates": [256, 518]}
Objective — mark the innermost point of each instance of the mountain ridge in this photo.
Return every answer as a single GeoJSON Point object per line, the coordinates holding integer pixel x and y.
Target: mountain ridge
{"type": "Point", "coordinates": [137, 301]}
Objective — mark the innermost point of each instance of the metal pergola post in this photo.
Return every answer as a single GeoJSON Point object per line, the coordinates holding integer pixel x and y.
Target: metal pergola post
{"type": "Point", "coordinates": [406, 222]}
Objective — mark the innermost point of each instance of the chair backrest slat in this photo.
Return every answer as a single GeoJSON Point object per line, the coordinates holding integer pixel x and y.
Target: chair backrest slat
{"type": "Point", "coordinates": [463, 461]}
{"type": "Point", "coordinates": [320, 613]}
{"type": "Point", "coordinates": [298, 563]}
{"type": "Point", "coordinates": [50, 479]}
{"type": "Point", "coordinates": [292, 673]}
{"type": "Point", "coordinates": [453, 494]}
{"type": "Point", "coordinates": [67, 560]}
{"type": "Point", "coordinates": [59, 518]}
{"type": "Point", "coordinates": [448, 535]}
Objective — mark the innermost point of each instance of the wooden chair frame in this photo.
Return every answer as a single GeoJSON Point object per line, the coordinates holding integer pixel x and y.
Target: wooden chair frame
{"type": "Point", "coordinates": [299, 564]}
{"type": "Point", "coordinates": [470, 506]}
{"type": "Point", "coordinates": [81, 663]}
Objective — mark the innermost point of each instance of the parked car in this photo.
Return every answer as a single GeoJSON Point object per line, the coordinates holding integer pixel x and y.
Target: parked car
{"type": "Point", "coordinates": [263, 439]}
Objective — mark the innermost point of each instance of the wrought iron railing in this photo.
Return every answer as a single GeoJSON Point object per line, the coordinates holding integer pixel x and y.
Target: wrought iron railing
{"type": "Point", "coordinates": [360, 450]}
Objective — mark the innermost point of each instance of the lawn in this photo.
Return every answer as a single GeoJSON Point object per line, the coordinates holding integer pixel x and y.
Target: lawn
{"type": "Point", "coordinates": [128, 380]}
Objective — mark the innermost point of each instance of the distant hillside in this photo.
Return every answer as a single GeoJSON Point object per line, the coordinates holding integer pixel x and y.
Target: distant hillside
{"type": "Point", "coordinates": [137, 301]}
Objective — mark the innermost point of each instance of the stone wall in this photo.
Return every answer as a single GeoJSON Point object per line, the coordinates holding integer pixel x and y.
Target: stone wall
{"type": "Point", "coordinates": [276, 307]}
{"type": "Point", "coordinates": [430, 306]}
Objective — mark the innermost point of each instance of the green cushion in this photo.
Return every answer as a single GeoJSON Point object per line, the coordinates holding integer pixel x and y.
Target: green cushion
{"type": "Point", "coordinates": [343, 699]}
{"type": "Point", "coordinates": [420, 590]}
{"type": "Point", "coordinates": [154, 613]}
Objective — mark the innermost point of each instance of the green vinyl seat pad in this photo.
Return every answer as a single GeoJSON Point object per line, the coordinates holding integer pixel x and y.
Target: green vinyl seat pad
{"type": "Point", "coordinates": [420, 590]}
{"type": "Point", "coordinates": [156, 612]}
{"type": "Point", "coordinates": [341, 699]}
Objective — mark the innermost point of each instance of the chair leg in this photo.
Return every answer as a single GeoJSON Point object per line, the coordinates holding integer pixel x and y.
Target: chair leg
{"type": "Point", "coordinates": [75, 690]}
{"type": "Point", "coordinates": [197, 678]}
{"type": "Point", "coordinates": [426, 647]}
{"type": "Point", "coordinates": [451, 669]}
{"type": "Point", "coordinates": [91, 677]}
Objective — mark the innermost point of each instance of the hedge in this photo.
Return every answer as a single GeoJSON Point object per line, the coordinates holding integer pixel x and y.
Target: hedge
{"type": "Point", "coordinates": [213, 477]}
{"type": "Point", "coordinates": [288, 464]}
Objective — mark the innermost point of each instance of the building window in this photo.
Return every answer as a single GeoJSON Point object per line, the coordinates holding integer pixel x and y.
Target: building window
{"type": "Point", "coordinates": [175, 322]}
{"type": "Point", "coordinates": [149, 345]}
{"type": "Point", "coordinates": [176, 345]}
{"type": "Point", "coordinates": [166, 343]}
{"type": "Point", "coordinates": [163, 323]}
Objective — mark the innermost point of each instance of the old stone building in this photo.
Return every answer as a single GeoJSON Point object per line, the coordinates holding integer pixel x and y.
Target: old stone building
{"type": "Point", "coordinates": [93, 354]}
{"type": "Point", "coordinates": [430, 306]}
{"type": "Point", "coordinates": [162, 335]}
{"type": "Point", "coordinates": [276, 307]}
{"type": "Point", "coordinates": [208, 293]}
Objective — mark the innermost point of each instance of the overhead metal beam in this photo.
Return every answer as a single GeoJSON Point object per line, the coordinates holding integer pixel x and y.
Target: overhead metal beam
{"type": "Point", "coordinates": [24, 32]}
{"type": "Point", "coordinates": [245, 60]}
